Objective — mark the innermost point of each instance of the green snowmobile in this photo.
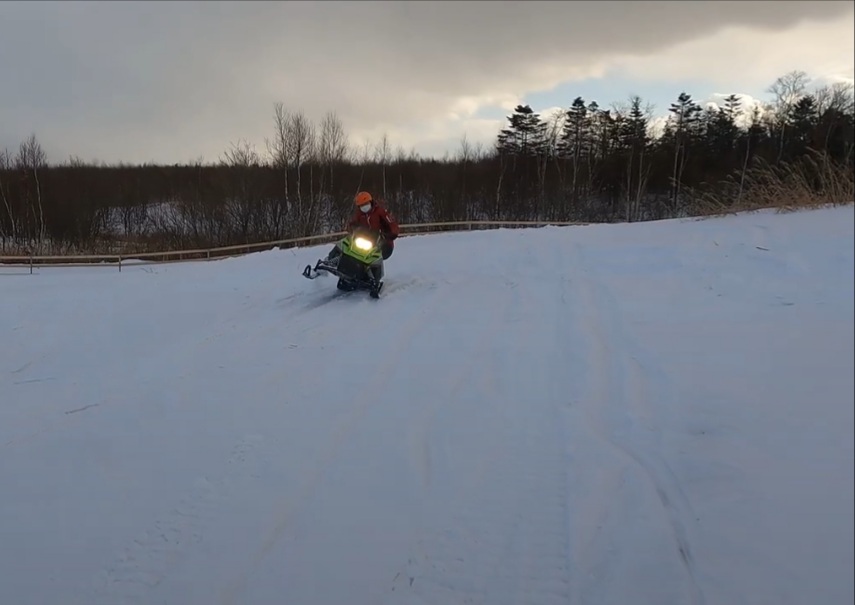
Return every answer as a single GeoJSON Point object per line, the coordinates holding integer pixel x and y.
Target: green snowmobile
{"type": "Point", "coordinates": [356, 260]}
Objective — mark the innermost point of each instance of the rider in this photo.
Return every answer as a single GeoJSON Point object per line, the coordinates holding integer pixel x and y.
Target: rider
{"type": "Point", "coordinates": [371, 215]}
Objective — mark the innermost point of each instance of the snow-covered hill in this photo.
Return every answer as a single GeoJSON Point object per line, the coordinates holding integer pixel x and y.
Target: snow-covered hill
{"type": "Point", "coordinates": [653, 413]}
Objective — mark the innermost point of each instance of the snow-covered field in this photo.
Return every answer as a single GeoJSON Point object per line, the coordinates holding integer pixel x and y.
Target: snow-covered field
{"type": "Point", "coordinates": [657, 413]}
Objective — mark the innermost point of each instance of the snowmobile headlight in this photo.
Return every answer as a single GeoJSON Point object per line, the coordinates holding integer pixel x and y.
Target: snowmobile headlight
{"type": "Point", "coordinates": [363, 244]}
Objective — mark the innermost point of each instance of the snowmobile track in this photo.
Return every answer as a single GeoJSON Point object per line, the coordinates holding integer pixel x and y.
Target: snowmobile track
{"type": "Point", "coordinates": [621, 390]}
{"type": "Point", "coordinates": [291, 504]}
{"type": "Point", "coordinates": [503, 537]}
{"type": "Point", "coordinates": [156, 550]}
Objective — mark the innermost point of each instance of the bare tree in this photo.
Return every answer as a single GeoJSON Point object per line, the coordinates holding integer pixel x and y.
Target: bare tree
{"type": "Point", "coordinates": [5, 168]}
{"type": "Point", "coordinates": [332, 143]}
{"type": "Point", "coordinates": [363, 156]}
{"type": "Point", "coordinates": [383, 155]}
{"type": "Point", "coordinates": [243, 154]}
{"type": "Point", "coordinates": [464, 157]}
{"type": "Point", "coordinates": [242, 203]}
{"type": "Point", "coordinates": [300, 145]}
{"type": "Point", "coordinates": [837, 97]}
{"type": "Point", "coordinates": [300, 150]}
{"type": "Point", "coordinates": [465, 154]}
{"type": "Point", "coordinates": [787, 89]}
{"type": "Point", "coordinates": [332, 151]}
{"type": "Point", "coordinates": [834, 102]}
{"type": "Point", "coordinates": [32, 159]}
{"type": "Point", "coordinates": [277, 149]}
{"type": "Point", "coordinates": [292, 147]}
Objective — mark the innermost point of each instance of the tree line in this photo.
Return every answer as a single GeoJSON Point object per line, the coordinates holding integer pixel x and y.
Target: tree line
{"type": "Point", "coordinates": [587, 164]}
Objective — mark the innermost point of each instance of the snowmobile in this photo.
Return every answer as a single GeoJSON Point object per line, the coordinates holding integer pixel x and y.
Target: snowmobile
{"type": "Point", "coordinates": [357, 261]}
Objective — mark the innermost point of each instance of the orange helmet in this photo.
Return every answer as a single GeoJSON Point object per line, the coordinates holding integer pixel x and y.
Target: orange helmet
{"type": "Point", "coordinates": [363, 197]}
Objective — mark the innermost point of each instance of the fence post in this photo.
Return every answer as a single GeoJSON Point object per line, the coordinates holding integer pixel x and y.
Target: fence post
{"type": "Point", "coordinates": [31, 262]}
{"type": "Point", "coordinates": [120, 263]}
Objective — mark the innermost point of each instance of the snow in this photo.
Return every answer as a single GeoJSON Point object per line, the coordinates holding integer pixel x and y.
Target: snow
{"type": "Point", "coordinates": [651, 413]}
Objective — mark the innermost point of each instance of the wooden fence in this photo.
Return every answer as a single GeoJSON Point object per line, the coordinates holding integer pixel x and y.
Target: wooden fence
{"type": "Point", "coordinates": [205, 254]}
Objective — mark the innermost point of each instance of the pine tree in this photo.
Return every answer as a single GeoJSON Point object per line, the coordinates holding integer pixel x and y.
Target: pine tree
{"type": "Point", "coordinates": [634, 140]}
{"type": "Point", "coordinates": [575, 132]}
{"type": "Point", "coordinates": [732, 108]}
{"type": "Point", "coordinates": [802, 120]}
{"type": "Point", "coordinates": [526, 135]}
{"type": "Point", "coordinates": [686, 130]}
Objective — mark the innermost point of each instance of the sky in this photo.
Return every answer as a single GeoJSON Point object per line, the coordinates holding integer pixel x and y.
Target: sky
{"type": "Point", "coordinates": [169, 82]}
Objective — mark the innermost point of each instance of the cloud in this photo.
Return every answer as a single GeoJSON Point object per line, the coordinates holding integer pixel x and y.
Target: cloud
{"type": "Point", "coordinates": [656, 126]}
{"type": "Point", "coordinates": [172, 81]}
{"type": "Point", "coordinates": [740, 57]}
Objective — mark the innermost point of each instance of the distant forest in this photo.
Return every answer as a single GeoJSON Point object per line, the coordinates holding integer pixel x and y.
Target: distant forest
{"type": "Point", "coordinates": [591, 164]}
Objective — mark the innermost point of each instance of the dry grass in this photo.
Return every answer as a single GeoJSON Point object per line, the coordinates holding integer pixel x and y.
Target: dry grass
{"type": "Point", "coordinates": [812, 181]}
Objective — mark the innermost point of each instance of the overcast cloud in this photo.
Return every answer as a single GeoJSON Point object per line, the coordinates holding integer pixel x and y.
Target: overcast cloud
{"type": "Point", "coordinates": [173, 81]}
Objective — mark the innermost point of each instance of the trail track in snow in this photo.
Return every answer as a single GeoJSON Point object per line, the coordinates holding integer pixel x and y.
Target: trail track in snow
{"type": "Point", "coordinates": [633, 481]}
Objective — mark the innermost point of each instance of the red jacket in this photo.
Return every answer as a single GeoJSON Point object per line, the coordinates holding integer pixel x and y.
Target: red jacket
{"type": "Point", "coordinates": [378, 219]}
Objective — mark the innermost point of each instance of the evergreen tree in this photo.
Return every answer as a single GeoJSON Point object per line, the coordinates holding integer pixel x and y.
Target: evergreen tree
{"type": "Point", "coordinates": [686, 130]}
{"type": "Point", "coordinates": [574, 135]}
{"type": "Point", "coordinates": [526, 135]}
{"type": "Point", "coordinates": [802, 120]}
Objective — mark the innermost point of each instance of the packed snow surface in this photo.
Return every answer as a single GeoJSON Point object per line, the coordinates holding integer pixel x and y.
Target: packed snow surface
{"type": "Point", "coordinates": [656, 413]}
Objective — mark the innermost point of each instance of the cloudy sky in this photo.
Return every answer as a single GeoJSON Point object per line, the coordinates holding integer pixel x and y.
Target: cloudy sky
{"type": "Point", "coordinates": [176, 81]}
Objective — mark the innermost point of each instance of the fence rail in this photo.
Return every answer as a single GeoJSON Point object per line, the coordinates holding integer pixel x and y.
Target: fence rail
{"type": "Point", "coordinates": [221, 252]}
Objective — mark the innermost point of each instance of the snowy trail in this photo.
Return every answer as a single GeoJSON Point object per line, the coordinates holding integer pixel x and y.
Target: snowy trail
{"type": "Point", "coordinates": [495, 529]}
{"type": "Point", "coordinates": [620, 455]}
{"type": "Point", "coordinates": [631, 413]}
{"type": "Point", "coordinates": [464, 437]}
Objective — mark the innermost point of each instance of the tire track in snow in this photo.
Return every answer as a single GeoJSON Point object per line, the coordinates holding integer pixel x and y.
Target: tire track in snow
{"type": "Point", "coordinates": [460, 376]}
{"type": "Point", "coordinates": [156, 551]}
{"type": "Point", "coordinates": [536, 557]}
{"type": "Point", "coordinates": [171, 360]}
{"type": "Point", "coordinates": [567, 359]}
{"type": "Point", "coordinates": [318, 321]}
{"type": "Point", "coordinates": [324, 291]}
{"type": "Point", "coordinates": [620, 380]}
{"type": "Point", "coordinates": [290, 505]}
{"type": "Point", "coordinates": [501, 538]}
